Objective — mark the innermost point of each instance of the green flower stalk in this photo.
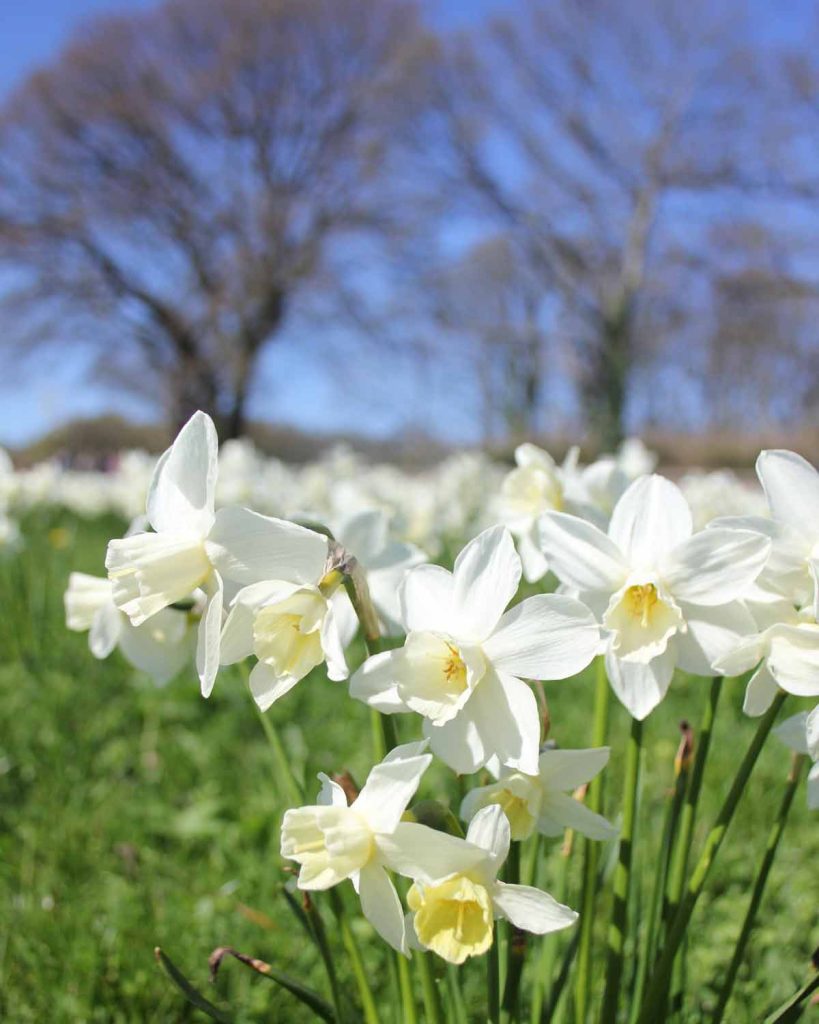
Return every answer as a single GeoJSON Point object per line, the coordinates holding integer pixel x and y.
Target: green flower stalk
{"type": "Point", "coordinates": [622, 876]}
{"type": "Point", "coordinates": [682, 772]}
{"type": "Point", "coordinates": [591, 852]}
{"type": "Point", "coordinates": [713, 842]}
{"type": "Point", "coordinates": [774, 836]}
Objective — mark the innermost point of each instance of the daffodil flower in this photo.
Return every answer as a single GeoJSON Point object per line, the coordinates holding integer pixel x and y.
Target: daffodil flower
{"type": "Point", "coordinates": [791, 487]}
{"type": "Point", "coordinates": [464, 658]}
{"type": "Point", "coordinates": [801, 733]}
{"type": "Point", "coordinates": [290, 628]}
{"type": "Point", "coordinates": [194, 547]}
{"type": "Point", "coordinates": [453, 915]}
{"type": "Point", "coordinates": [534, 486]}
{"type": "Point", "coordinates": [543, 802]}
{"type": "Point", "coordinates": [666, 596]}
{"type": "Point", "coordinates": [332, 841]}
{"type": "Point", "coordinates": [161, 646]}
{"type": "Point", "coordinates": [385, 561]}
{"type": "Point", "coordinates": [786, 656]}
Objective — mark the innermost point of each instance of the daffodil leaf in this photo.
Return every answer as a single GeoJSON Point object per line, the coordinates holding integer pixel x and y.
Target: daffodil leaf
{"type": "Point", "coordinates": [188, 991]}
{"type": "Point", "coordinates": [298, 912]}
{"type": "Point", "coordinates": [308, 996]}
{"type": "Point", "coordinates": [792, 1010]}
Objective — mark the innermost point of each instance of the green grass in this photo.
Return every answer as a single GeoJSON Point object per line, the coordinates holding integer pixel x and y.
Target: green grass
{"type": "Point", "coordinates": [133, 816]}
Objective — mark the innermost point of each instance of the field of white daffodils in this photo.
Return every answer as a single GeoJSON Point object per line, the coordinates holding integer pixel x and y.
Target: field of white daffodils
{"type": "Point", "coordinates": [481, 743]}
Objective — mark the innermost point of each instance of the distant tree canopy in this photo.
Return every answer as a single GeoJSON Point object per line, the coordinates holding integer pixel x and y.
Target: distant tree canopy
{"type": "Point", "coordinates": [616, 199]}
{"type": "Point", "coordinates": [170, 184]}
{"type": "Point", "coordinates": [600, 136]}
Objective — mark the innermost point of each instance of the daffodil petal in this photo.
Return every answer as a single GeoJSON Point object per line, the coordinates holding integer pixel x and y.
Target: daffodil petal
{"type": "Point", "coordinates": [207, 646]}
{"type": "Point", "coordinates": [181, 494]}
{"type": "Point", "coordinates": [382, 907]}
{"type": "Point", "coordinates": [548, 636]}
{"type": "Point", "coordinates": [716, 566]}
{"type": "Point", "coordinates": [711, 634]}
{"type": "Point", "coordinates": [267, 686]}
{"type": "Point", "coordinates": [489, 829]}
{"type": "Point", "coordinates": [162, 646]}
{"type": "Point", "coordinates": [248, 548]}
{"type": "Point", "coordinates": [390, 786]}
{"type": "Point", "coordinates": [793, 732]}
{"type": "Point", "coordinates": [649, 520]}
{"type": "Point", "coordinates": [106, 629]}
{"type": "Point", "coordinates": [640, 687]}
{"type": "Point", "coordinates": [571, 813]}
{"type": "Point", "coordinates": [568, 769]}
{"type": "Point", "coordinates": [486, 575]}
{"type": "Point", "coordinates": [760, 692]}
{"type": "Point", "coordinates": [427, 601]}
{"type": "Point", "coordinates": [580, 554]}
{"type": "Point", "coordinates": [417, 851]}
{"type": "Point", "coordinates": [376, 681]}
{"type": "Point", "coordinates": [791, 486]}
{"type": "Point", "coordinates": [530, 909]}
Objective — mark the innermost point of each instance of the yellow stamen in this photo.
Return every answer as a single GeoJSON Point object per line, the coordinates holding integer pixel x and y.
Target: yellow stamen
{"type": "Point", "coordinates": [455, 670]}
{"type": "Point", "coordinates": [640, 601]}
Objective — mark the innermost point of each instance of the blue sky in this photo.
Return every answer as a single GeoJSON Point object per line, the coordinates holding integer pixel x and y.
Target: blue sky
{"type": "Point", "coordinates": [296, 385]}
{"type": "Point", "coordinates": [31, 402]}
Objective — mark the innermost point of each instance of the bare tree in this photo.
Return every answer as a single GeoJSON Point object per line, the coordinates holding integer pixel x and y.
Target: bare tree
{"type": "Point", "coordinates": [590, 131]}
{"type": "Point", "coordinates": [490, 305]}
{"type": "Point", "coordinates": [172, 184]}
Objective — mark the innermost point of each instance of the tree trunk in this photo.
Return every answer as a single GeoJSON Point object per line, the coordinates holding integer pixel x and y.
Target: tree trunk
{"type": "Point", "coordinates": [194, 388]}
{"type": "Point", "coordinates": [607, 379]}
{"type": "Point", "coordinates": [235, 423]}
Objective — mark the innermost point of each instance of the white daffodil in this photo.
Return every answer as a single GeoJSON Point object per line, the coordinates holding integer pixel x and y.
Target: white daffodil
{"type": "Point", "coordinates": [332, 841]}
{"type": "Point", "coordinates": [791, 487]}
{"type": "Point", "coordinates": [194, 546]}
{"type": "Point", "coordinates": [290, 628]}
{"type": "Point", "coordinates": [543, 802]}
{"type": "Point", "coordinates": [603, 483]}
{"type": "Point", "coordinates": [453, 915]}
{"type": "Point", "coordinates": [801, 733]}
{"type": "Point", "coordinates": [162, 646]}
{"type": "Point", "coordinates": [464, 659]}
{"type": "Point", "coordinates": [667, 597]}
{"type": "Point", "coordinates": [385, 561]}
{"type": "Point", "coordinates": [536, 485]}
{"type": "Point", "coordinates": [786, 654]}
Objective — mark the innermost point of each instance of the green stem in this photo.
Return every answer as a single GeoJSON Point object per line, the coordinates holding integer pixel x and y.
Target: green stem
{"type": "Point", "coordinates": [355, 583]}
{"type": "Point", "coordinates": [671, 819]}
{"type": "Point", "coordinates": [377, 731]}
{"type": "Point", "coordinates": [493, 980]}
{"type": "Point", "coordinates": [682, 848]}
{"type": "Point", "coordinates": [622, 877]}
{"type": "Point", "coordinates": [433, 1013]}
{"type": "Point", "coordinates": [284, 772]}
{"type": "Point", "coordinates": [713, 842]}
{"type": "Point", "coordinates": [774, 836]}
{"type": "Point", "coordinates": [553, 1013]}
{"type": "Point", "coordinates": [530, 861]}
{"type": "Point", "coordinates": [356, 962]}
{"type": "Point", "coordinates": [409, 1015]}
{"type": "Point", "coordinates": [457, 1006]}
{"type": "Point", "coordinates": [542, 982]}
{"type": "Point", "coordinates": [591, 853]}
{"type": "Point", "coordinates": [320, 935]}
{"type": "Point", "coordinates": [515, 949]}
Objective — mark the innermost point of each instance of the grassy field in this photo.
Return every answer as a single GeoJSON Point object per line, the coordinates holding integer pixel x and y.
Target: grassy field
{"type": "Point", "coordinates": [133, 816]}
